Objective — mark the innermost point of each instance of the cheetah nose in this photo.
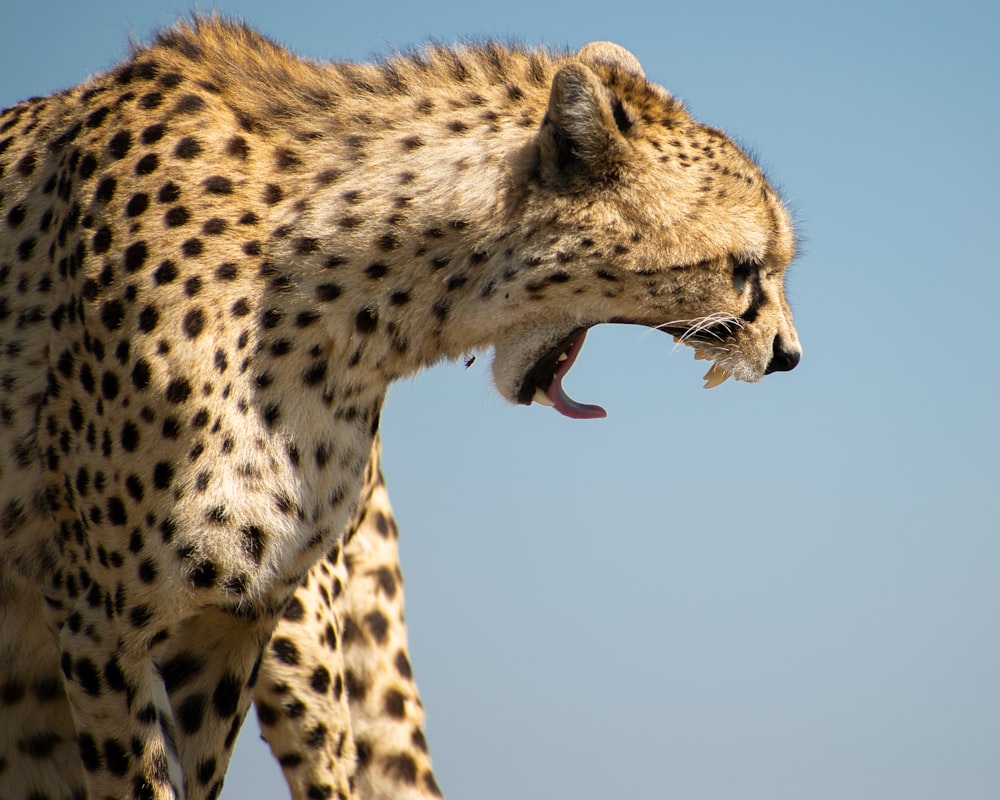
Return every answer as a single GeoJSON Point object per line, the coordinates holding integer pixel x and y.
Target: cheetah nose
{"type": "Point", "coordinates": [783, 356]}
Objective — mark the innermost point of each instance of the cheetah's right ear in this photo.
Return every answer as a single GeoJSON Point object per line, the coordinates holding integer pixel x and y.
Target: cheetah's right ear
{"type": "Point", "coordinates": [612, 55]}
{"type": "Point", "coordinates": [582, 138]}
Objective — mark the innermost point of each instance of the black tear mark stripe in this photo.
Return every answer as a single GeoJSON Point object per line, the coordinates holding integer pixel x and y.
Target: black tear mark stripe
{"type": "Point", "coordinates": [757, 297]}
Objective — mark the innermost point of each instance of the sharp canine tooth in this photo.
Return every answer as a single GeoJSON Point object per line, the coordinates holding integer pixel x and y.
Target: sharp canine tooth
{"type": "Point", "coordinates": [541, 397]}
{"type": "Point", "coordinates": [563, 357]}
{"type": "Point", "coordinates": [716, 375]}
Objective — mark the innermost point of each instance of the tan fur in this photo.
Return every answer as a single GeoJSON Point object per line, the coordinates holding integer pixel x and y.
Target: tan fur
{"type": "Point", "coordinates": [214, 260]}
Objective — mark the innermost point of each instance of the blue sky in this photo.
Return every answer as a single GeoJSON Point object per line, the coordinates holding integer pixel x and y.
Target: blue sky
{"type": "Point", "coordinates": [782, 591]}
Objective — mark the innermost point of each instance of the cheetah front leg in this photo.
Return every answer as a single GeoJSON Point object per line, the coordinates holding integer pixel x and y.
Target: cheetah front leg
{"type": "Point", "coordinates": [300, 696]}
{"type": "Point", "coordinates": [121, 712]}
{"type": "Point", "coordinates": [336, 679]}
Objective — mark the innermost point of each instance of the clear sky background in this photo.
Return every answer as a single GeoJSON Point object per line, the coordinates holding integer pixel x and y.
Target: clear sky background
{"type": "Point", "coordinates": [788, 591]}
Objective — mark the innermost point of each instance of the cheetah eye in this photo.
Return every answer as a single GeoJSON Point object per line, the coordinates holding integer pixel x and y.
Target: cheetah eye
{"type": "Point", "coordinates": [743, 268]}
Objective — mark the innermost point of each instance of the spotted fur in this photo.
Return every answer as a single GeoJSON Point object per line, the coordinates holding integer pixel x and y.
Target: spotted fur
{"type": "Point", "coordinates": [214, 259]}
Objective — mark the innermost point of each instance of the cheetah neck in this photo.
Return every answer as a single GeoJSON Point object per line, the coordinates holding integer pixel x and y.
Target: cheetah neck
{"type": "Point", "coordinates": [392, 238]}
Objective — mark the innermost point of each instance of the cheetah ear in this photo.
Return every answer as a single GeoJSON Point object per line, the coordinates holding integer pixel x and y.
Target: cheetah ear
{"type": "Point", "coordinates": [612, 55]}
{"type": "Point", "coordinates": [582, 136]}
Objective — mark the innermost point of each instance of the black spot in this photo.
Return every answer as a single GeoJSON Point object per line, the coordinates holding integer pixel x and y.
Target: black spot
{"type": "Point", "coordinates": [204, 575]}
{"type": "Point", "coordinates": [206, 770]}
{"type": "Point", "coordinates": [16, 215]}
{"type": "Point", "coordinates": [88, 165]}
{"type": "Point", "coordinates": [320, 680]}
{"type": "Point", "coordinates": [96, 118]}
{"type": "Point", "coordinates": [402, 767]}
{"type": "Point", "coordinates": [327, 292]}
{"type": "Point", "coordinates": [285, 651]}
{"type": "Point", "coordinates": [26, 165]}
{"type": "Point", "coordinates": [214, 226]}
{"type": "Point", "coordinates": [266, 715]}
{"type": "Point", "coordinates": [165, 273]}
{"type": "Point", "coordinates": [194, 323]}
{"type": "Point", "coordinates": [181, 670]}
{"type": "Point", "coordinates": [120, 144]}
{"type": "Point", "coordinates": [226, 697]}
{"type": "Point", "coordinates": [305, 318]}
{"type": "Point", "coordinates": [403, 665]}
{"type": "Point", "coordinates": [315, 374]}
{"type": "Point", "coordinates": [431, 785]}
{"type": "Point", "coordinates": [110, 386]}
{"type": "Point", "coordinates": [169, 192]}
{"type": "Point", "coordinates": [147, 164]}
{"type": "Point", "coordinates": [237, 147]}
{"type": "Point", "coordinates": [285, 159]}
{"type": "Point", "coordinates": [153, 133]}
{"type": "Point", "coordinates": [176, 216]}
{"type": "Point", "coordinates": [112, 314]}
{"type": "Point", "coordinates": [130, 436]}
{"type": "Point", "coordinates": [394, 703]}
{"type": "Point", "coordinates": [188, 148]}
{"type": "Point", "coordinates": [189, 104]}
{"type": "Point", "coordinates": [316, 737]}
{"type": "Point", "coordinates": [116, 511]}
{"type": "Point", "coordinates": [191, 713]}
{"type": "Point", "coordinates": [136, 253]}
{"type": "Point", "coordinates": [272, 194]}
{"type": "Point", "coordinates": [140, 616]}
{"type": "Point", "coordinates": [271, 414]}
{"type": "Point", "coordinates": [366, 320]}
{"type": "Point", "coordinates": [11, 692]}
{"type": "Point", "coordinates": [303, 245]}
{"type": "Point", "coordinates": [253, 542]}
{"type": "Point", "coordinates": [240, 308]}
{"type": "Point", "coordinates": [163, 475]}
{"type": "Point", "coordinates": [141, 374]}
{"type": "Point", "coordinates": [148, 319]}
{"type": "Point", "coordinates": [271, 318]}
{"type": "Point", "coordinates": [192, 248]}
{"type": "Point", "coordinates": [386, 581]}
{"type": "Point", "coordinates": [294, 612]}
{"type": "Point", "coordinates": [87, 676]}
{"type": "Point", "coordinates": [147, 571]}
{"type": "Point", "coordinates": [26, 248]}
{"type": "Point", "coordinates": [105, 190]}
{"type": "Point", "coordinates": [377, 625]}
{"type": "Point", "coordinates": [178, 390]}
{"type": "Point", "coordinates": [376, 270]}
{"type": "Point", "coordinates": [218, 185]}
{"type": "Point", "coordinates": [89, 754]}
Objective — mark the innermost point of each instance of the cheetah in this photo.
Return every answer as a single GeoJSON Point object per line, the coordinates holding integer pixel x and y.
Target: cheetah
{"type": "Point", "coordinates": [214, 260]}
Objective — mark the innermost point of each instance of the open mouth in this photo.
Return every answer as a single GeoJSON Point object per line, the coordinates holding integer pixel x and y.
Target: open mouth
{"type": "Point", "coordinates": [544, 382]}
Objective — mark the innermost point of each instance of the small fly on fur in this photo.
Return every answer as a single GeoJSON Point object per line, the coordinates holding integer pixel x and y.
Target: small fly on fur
{"type": "Point", "coordinates": [469, 361]}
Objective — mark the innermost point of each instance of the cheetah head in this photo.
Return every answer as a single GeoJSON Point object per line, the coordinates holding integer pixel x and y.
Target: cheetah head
{"type": "Point", "coordinates": [642, 216]}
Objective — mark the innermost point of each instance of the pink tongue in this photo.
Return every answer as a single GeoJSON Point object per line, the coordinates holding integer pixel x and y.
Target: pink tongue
{"type": "Point", "coordinates": [563, 403]}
